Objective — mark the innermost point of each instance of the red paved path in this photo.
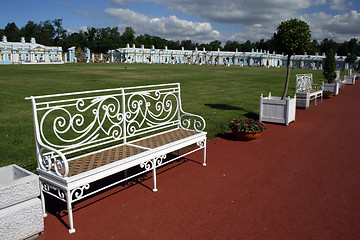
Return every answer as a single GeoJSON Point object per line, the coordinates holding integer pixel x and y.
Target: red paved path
{"type": "Point", "coordinates": [295, 182]}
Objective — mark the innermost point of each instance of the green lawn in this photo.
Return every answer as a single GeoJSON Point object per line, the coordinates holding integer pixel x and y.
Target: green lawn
{"type": "Point", "coordinates": [218, 93]}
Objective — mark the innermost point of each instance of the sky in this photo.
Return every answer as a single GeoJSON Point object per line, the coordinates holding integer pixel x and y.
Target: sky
{"type": "Point", "coordinates": [200, 21]}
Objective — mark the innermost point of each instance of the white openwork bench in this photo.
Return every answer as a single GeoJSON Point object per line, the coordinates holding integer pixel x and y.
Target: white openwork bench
{"type": "Point", "coordinates": [84, 137]}
{"type": "Point", "coordinates": [306, 90]}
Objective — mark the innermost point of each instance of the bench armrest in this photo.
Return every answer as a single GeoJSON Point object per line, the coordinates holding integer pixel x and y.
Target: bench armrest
{"type": "Point", "coordinates": [317, 87]}
{"type": "Point", "coordinates": [52, 159]}
{"type": "Point", "coordinates": [192, 121]}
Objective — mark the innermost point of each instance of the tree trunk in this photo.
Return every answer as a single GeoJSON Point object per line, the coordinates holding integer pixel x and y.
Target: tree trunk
{"type": "Point", "coordinates": [287, 78]}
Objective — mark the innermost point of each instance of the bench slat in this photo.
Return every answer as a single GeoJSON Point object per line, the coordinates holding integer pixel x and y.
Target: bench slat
{"type": "Point", "coordinates": [162, 139]}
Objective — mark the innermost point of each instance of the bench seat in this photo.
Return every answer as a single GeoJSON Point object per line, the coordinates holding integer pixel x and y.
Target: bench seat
{"type": "Point", "coordinates": [102, 158]}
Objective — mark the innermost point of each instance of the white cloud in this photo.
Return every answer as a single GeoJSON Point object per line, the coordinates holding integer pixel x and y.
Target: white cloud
{"type": "Point", "coordinates": [82, 28]}
{"type": "Point", "coordinates": [168, 27]}
{"type": "Point", "coordinates": [237, 11]}
{"type": "Point", "coordinates": [257, 19]}
{"type": "Point", "coordinates": [339, 27]}
{"type": "Point", "coordinates": [78, 11]}
{"type": "Point", "coordinates": [340, 4]}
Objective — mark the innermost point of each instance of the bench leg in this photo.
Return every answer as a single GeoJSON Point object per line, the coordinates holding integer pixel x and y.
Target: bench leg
{"type": "Point", "coordinates": [154, 174]}
{"type": "Point", "coordinates": [204, 163]}
{"type": "Point", "coordinates": [42, 199]}
{"type": "Point", "coordinates": [70, 214]}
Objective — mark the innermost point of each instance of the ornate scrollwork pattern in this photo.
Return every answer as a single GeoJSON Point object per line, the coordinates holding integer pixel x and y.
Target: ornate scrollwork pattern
{"type": "Point", "coordinates": [159, 160]}
{"type": "Point", "coordinates": [150, 109]}
{"type": "Point", "coordinates": [52, 190]}
{"type": "Point", "coordinates": [82, 121]}
{"type": "Point", "coordinates": [78, 193]}
{"type": "Point", "coordinates": [50, 160]}
{"type": "Point", "coordinates": [304, 82]}
{"type": "Point", "coordinates": [149, 164]}
{"type": "Point", "coordinates": [317, 86]}
{"type": "Point", "coordinates": [201, 143]}
{"type": "Point", "coordinates": [193, 122]}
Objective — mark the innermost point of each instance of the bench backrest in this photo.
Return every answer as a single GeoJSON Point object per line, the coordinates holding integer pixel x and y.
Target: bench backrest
{"type": "Point", "coordinates": [304, 82]}
{"type": "Point", "coordinates": [76, 122]}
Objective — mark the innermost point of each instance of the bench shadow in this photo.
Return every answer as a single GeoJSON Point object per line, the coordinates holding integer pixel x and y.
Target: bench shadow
{"type": "Point", "coordinates": [58, 208]}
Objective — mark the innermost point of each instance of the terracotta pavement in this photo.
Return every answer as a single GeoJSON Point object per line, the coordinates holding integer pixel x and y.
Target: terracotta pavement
{"type": "Point", "coordinates": [296, 182]}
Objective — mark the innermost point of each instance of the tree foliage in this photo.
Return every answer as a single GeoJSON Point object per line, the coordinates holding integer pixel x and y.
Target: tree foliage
{"type": "Point", "coordinates": [351, 59]}
{"type": "Point", "coordinates": [330, 66]}
{"type": "Point", "coordinates": [292, 37]}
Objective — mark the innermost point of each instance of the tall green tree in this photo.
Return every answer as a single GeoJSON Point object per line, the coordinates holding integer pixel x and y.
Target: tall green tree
{"type": "Point", "coordinates": [60, 32]}
{"type": "Point", "coordinates": [29, 30]}
{"type": "Point", "coordinates": [11, 32]}
{"type": "Point", "coordinates": [231, 46]}
{"type": "Point", "coordinates": [292, 37]}
{"type": "Point", "coordinates": [188, 45]}
{"type": "Point", "coordinates": [75, 39]}
{"type": "Point", "coordinates": [351, 59]}
{"type": "Point", "coordinates": [330, 66]}
{"type": "Point", "coordinates": [327, 44]}
{"type": "Point", "coordinates": [246, 46]}
{"type": "Point", "coordinates": [46, 33]}
{"type": "Point", "coordinates": [128, 35]}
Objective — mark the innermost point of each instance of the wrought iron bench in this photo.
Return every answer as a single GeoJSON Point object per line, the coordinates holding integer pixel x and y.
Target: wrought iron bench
{"type": "Point", "coordinates": [306, 90]}
{"type": "Point", "coordinates": [339, 80]}
{"type": "Point", "coordinates": [84, 137]}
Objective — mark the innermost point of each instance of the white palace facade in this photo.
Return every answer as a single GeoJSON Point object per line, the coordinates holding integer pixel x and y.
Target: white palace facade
{"type": "Point", "coordinates": [28, 53]}
{"type": "Point", "coordinates": [253, 58]}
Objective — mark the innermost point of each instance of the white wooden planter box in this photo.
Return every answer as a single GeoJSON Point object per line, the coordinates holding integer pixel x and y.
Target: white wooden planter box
{"type": "Point", "coordinates": [331, 87]}
{"type": "Point", "coordinates": [273, 109]}
{"type": "Point", "coordinates": [349, 79]}
{"type": "Point", "coordinates": [21, 213]}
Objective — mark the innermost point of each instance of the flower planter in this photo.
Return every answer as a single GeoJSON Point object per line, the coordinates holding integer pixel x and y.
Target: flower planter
{"type": "Point", "coordinates": [328, 95]}
{"type": "Point", "coordinates": [21, 214]}
{"type": "Point", "coordinates": [246, 136]}
{"type": "Point", "coordinates": [331, 87]}
{"type": "Point", "coordinates": [273, 109]}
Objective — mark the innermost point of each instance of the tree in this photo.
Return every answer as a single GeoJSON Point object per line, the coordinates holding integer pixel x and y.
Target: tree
{"type": "Point", "coordinates": [292, 36]}
{"type": "Point", "coordinates": [46, 33]}
{"type": "Point", "coordinates": [60, 32]}
{"type": "Point", "coordinates": [76, 39]}
{"type": "Point", "coordinates": [314, 48]}
{"type": "Point", "coordinates": [215, 45]}
{"type": "Point", "coordinates": [246, 47]}
{"type": "Point", "coordinates": [11, 32]}
{"type": "Point", "coordinates": [128, 35]}
{"type": "Point", "coordinates": [231, 46]}
{"type": "Point", "coordinates": [29, 30]}
{"type": "Point", "coordinates": [330, 66]}
{"type": "Point", "coordinates": [351, 59]}
{"type": "Point", "coordinates": [327, 44]}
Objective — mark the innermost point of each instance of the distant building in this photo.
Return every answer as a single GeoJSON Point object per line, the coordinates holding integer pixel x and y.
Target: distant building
{"type": "Point", "coordinates": [253, 58]}
{"type": "Point", "coordinates": [28, 53]}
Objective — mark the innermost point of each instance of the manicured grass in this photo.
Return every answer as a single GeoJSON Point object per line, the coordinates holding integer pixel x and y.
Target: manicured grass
{"type": "Point", "coordinates": [218, 93]}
